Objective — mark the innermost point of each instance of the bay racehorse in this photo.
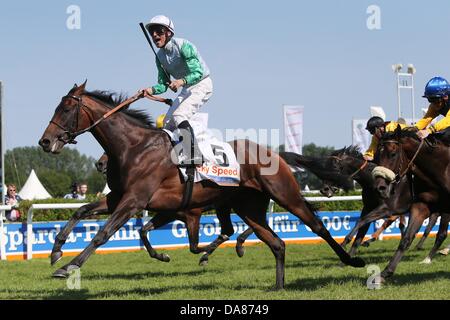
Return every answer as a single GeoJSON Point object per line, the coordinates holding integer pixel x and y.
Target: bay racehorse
{"type": "Point", "coordinates": [426, 193]}
{"type": "Point", "coordinates": [143, 176]}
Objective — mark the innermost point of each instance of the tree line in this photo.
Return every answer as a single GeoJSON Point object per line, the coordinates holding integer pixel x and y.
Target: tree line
{"type": "Point", "coordinates": [56, 172]}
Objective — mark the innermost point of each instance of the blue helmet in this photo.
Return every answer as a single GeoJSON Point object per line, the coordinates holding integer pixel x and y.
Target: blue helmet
{"type": "Point", "coordinates": [436, 87]}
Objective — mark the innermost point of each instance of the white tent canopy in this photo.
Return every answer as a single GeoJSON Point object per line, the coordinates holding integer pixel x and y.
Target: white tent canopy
{"type": "Point", "coordinates": [33, 189]}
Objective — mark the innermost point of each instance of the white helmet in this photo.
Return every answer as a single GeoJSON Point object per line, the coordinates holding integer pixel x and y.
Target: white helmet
{"type": "Point", "coordinates": [162, 21]}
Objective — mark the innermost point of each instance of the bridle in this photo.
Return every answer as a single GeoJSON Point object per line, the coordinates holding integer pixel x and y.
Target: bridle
{"type": "Point", "coordinates": [362, 167]}
{"type": "Point", "coordinates": [69, 135]}
{"type": "Point", "coordinates": [399, 175]}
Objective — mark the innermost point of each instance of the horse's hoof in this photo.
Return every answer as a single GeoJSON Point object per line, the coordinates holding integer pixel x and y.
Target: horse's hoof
{"type": "Point", "coordinates": [240, 250]}
{"type": "Point", "coordinates": [55, 257]}
{"type": "Point", "coordinates": [203, 262]}
{"type": "Point", "coordinates": [165, 257]}
{"type": "Point", "coordinates": [427, 260]}
{"type": "Point", "coordinates": [444, 252]}
{"type": "Point", "coordinates": [357, 262]}
{"type": "Point", "coordinates": [65, 272]}
{"type": "Point", "coordinates": [365, 244]}
{"type": "Point", "coordinates": [60, 273]}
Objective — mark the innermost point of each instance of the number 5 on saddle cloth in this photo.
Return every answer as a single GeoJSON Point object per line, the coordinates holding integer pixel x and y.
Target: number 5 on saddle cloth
{"type": "Point", "coordinates": [220, 164]}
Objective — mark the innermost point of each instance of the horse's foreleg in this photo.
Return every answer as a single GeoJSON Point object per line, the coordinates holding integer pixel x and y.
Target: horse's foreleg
{"type": "Point", "coordinates": [122, 213]}
{"type": "Point", "coordinates": [378, 213]}
{"type": "Point", "coordinates": [419, 212]}
{"type": "Point", "coordinates": [431, 223]}
{"type": "Point", "coordinates": [159, 220]}
{"type": "Point", "coordinates": [226, 231]}
{"type": "Point", "coordinates": [440, 237]}
{"type": "Point", "coordinates": [374, 237]}
{"type": "Point", "coordinates": [358, 239]}
{"type": "Point", "coordinates": [83, 212]}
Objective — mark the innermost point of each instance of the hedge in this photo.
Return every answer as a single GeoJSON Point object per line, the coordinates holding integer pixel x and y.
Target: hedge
{"type": "Point", "coordinates": [65, 214]}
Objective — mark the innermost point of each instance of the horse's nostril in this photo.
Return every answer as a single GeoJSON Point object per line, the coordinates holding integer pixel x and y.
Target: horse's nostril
{"type": "Point", "coordinates": [44, 142]}
{"type": "Point", "coordinates": [382, 188]}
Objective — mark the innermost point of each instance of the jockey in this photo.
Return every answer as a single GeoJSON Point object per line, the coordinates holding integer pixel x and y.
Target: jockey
{"type": "Point", "coordinates": [436, 91]}
{"type": "Point", "coordinates": [180, 59]}
{"type": "Point", "coordinates": [377, 127]}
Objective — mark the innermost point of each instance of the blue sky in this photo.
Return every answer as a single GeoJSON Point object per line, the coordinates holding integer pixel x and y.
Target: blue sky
{"type": "Point", "coordinates": [319, 54]}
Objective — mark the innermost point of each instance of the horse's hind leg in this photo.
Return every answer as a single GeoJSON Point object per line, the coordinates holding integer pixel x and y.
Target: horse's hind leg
{"type": "Point", "coordinates": [240, 249]}
{"type": "Point", "coordinates": [440, 237]}
{"type": "Point", "coordinates": [252, 209]}
{"type": "Point", "coordinates": [82, 212]}
{"type": "Point", "coordinates": [285, 191]}
{"type": "Point", "coordinates": [431, 223]}
{"type": "Point", "coordinates": [419, 212]}
{"type": "Point", "coordinates": [226, 231]}
{"type": "Point", "coordinates": [159, 220]}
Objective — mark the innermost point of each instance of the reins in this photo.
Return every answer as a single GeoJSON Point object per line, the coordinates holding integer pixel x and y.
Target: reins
{"type": "Point", "coordinates": [365, 163]}
{"type": "Point", "coordinates": [70, 136]}
{"type": "Point", "coordinates": [359, 169]}
{"type": "Point", "coordinates": [400, 175]}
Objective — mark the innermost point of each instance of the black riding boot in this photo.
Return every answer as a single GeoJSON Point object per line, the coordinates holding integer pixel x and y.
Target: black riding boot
{"type": "Point", "coordinates": [191, 153]}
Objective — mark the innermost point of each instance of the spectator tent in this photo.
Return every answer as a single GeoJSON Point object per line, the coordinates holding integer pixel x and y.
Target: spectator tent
{"type": "Point", "coordinates": [33, 189]}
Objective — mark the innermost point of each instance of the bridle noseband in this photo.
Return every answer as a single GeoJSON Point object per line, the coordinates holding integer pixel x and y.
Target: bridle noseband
{"type": "Point", "coordinates": [69, 135]}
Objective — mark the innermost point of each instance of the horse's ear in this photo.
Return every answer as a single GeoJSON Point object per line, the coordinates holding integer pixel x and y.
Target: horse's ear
{"type": "Point", "coordinates": [398, 131]}
{"type": "Point", "coordinates": [80, 89]}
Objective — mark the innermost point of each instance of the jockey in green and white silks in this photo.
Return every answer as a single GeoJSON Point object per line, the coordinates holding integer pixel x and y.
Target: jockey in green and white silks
{"type": "Point", "coordinates": [181, 60]}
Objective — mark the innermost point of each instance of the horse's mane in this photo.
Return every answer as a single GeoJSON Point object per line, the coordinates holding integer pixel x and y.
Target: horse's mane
{"type": "Point", "coordinates": [112, 99]}
{"type": "Point", "coordinates": [407, 132]}
{"type": "Point", "coordinates": [351, 150]}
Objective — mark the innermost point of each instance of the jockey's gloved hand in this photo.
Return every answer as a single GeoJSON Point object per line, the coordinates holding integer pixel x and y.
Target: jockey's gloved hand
{"type": "Point", "coordinates": [175, 84]}
{"type": "Point", "coordinates": [423, 133]}
{"type": "Point", "coordinates": [146, 91]}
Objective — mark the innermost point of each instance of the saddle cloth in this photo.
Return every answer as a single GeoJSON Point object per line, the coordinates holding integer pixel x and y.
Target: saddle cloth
{"type": "Point", "coordinates": [220, 164]}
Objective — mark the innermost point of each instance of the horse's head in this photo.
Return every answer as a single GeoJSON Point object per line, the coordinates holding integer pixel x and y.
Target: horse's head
{"type": "Point", "coordinates": [67, 120]}
{"type": "Point", "coordinates": [328, 189]}
{"type": "Point", "coordinates": [102, 163]}
{"type": "Point", "coordinates": [390, 159]}
{"type": "Point", "coordinates": [338, 170]}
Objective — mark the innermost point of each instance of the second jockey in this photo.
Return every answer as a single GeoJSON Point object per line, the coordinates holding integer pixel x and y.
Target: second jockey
{"type": "Point", "coordinates": [181, 60]}
{"type": "Point", "coordinates": [437, 92]}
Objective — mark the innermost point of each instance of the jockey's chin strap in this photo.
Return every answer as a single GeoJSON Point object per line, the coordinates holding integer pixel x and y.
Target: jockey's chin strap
{"type": "Point", "coordinates": [68, 136]}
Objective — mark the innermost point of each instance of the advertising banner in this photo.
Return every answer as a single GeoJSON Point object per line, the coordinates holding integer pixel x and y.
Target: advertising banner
{"type": "Point", "coordinates": [287, 226]}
